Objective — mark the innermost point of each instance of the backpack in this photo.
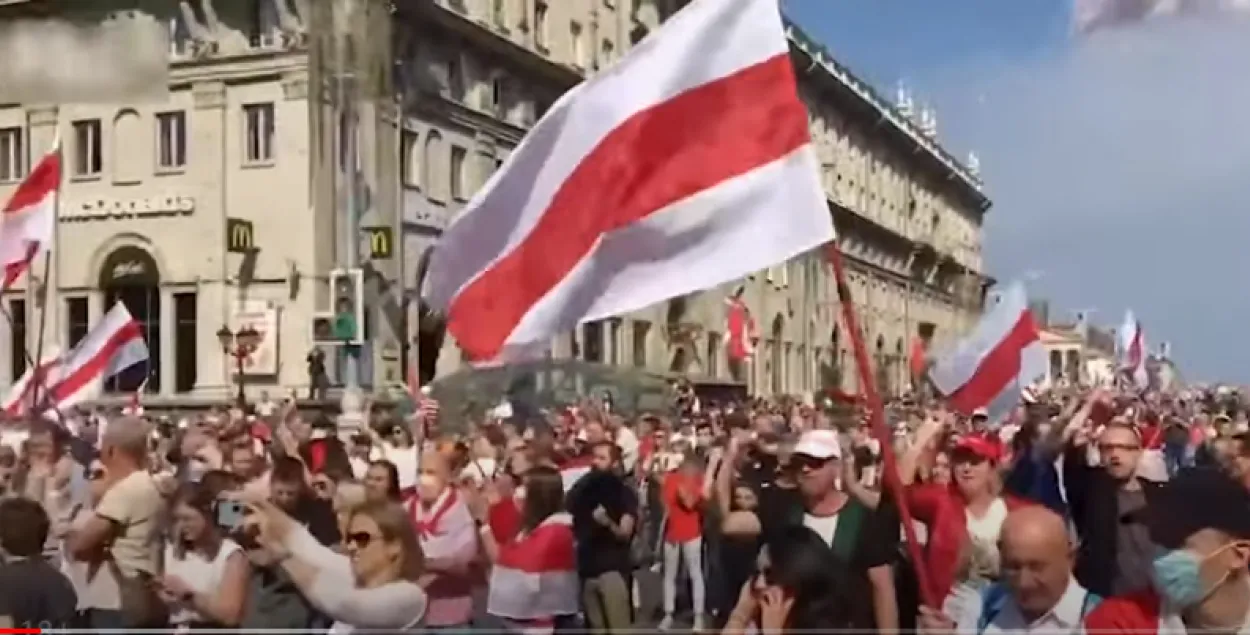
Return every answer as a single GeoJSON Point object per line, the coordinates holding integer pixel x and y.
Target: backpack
{"type": "Point", "coordinates": [994, 598]}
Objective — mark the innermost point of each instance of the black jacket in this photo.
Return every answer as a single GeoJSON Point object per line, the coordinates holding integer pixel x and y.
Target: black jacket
{"type": "Point", "coordinates": [1093, 498]}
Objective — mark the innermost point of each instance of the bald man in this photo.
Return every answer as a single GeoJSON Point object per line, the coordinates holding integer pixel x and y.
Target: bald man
{"type": "Point", "coordinates": [126, 521]}
{"type": "Point", "coordinates": [1036, 592]}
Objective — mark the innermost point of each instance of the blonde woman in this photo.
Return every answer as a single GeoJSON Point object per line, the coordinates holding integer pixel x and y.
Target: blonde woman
{"type": "Point", "coordinates": [371, 585]}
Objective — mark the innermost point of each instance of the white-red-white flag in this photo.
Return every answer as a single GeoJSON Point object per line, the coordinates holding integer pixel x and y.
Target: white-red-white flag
{"type": "Point", "coordinates": [685, 166]}
{"type": "Point", "coordinates": [740, 329]}
{"type": "Point", "coordinates": [29, 218]}
{"type": "Point", "coordinates": [1131, 350]}
{"type": "Point", "coordinates": [30, 386]}
{"type": "Point", "coordinates": [114, 345]}
{"type": "Point", "coordinates": [535, 575]}
{"type": "Point", "coordinates": [989, 369]}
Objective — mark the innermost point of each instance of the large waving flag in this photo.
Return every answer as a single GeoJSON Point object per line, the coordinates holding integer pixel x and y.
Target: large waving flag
{"type": "Point", "coordinates": [991, 367]}
{"type": "Point", "coordinates": [114, 345]}
{"type": "Point", "coordinates": [685, 166]}
{"type": "Point", "coordinates": [1131, 350]}
{"type": "Point", "coordinates": [29, 218]}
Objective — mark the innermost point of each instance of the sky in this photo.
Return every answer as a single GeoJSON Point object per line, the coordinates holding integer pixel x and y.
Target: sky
{"type": "Point", "coordinates": [1118, 161]}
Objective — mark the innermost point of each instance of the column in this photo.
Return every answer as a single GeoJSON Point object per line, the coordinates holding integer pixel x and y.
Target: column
{"type": "Point", "coordinates": [207, 127]}
{"type": "Point", "coordinates": [168, 331]}
{"type": "Point", "coordinates": [42, 124]}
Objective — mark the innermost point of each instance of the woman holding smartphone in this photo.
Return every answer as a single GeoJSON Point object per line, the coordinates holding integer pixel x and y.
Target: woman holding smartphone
{"type": "Point", "coordinates": [206, 574]}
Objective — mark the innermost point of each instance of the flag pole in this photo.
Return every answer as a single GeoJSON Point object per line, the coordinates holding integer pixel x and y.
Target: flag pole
{"type": "Point", "coordinates": [876, 411]}
{"type": "Point", "coordinates": [43, 320]}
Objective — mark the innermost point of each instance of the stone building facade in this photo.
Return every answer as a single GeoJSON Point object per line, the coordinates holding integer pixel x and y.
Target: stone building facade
{"type": "Point", "coordinates": [158, 194]}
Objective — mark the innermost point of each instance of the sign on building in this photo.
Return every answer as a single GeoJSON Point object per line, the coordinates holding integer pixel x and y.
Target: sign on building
{"type": "Point", "coordinates": [240, 236]}
{"type": "Point", "coordinates": [381, 242]}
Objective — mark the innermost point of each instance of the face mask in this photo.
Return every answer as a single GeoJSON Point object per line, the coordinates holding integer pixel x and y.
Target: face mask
{"type": "Point", "coordinates": [1177, 576]}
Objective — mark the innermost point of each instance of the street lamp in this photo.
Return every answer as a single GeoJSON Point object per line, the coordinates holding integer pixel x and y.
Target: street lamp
{"type": "Point", "coordinates": [240, 345]}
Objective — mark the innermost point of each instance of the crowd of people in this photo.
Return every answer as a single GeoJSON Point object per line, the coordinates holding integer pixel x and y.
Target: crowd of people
{"type": "Point", "coordinates": [1090, 509]}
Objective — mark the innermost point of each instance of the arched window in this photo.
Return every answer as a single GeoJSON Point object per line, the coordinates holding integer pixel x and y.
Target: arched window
{"type": "Point", "coordinates": [132, 148]}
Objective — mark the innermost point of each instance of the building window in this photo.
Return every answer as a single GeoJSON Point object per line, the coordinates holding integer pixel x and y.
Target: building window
{"type": "Point", "coordinates": [88, 153]}
{"type": "Point", "coordinates": [12, 156]}
{"type": "Point", "coordinates": [499, 92]}
{"type": "Point", "coordinates": [540, 24]}
{"type": "Point", "coordinates": [458, 188]}
{"type": "Point", "coordinates": [259, 131]}
{"type": "Point", "coordinates": [614, 341]}
{"type": "Point", "coordinates": [642, 331]}
{"type": "Point", "coordinates": [171, 140]}
{"type": "Point", "coordinates": [499, 13]}
{"type": "Point", "coordinates": [433, 177]}
{"type": "Point", "coordinates": [455, 78]}
{"type": "Point", "coordinates": [186, 360]}
{"type": "Point", "coordinates": [410, 159]}
{"type": "Point", "coordinates": [17, 339]}
{"type": "Point", "coordinates": [579, 44]}
{"type": "Point", "coordinates": [77, 320]}
{"type": "Point", "coordinates": [592, 342]}
{"type": "Point", "coordinates": [609, 51]}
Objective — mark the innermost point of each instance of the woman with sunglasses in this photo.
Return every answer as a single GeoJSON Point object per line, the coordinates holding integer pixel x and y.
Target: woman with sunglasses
{"type": "Point", "coordinates": [206, 574]}
{"type": "Point", "coordinates": [800, 586]}
{"type": "Point", "coordinates": [533, 584]}
{"type": "Point", "coordinates": [372, 585]}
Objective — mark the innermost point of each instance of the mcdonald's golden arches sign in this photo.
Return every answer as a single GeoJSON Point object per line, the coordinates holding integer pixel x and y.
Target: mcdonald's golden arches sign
{"type": "Point", "coordinates": [240, 236]}
{"type": "Point", "coordinates": [381, 242]}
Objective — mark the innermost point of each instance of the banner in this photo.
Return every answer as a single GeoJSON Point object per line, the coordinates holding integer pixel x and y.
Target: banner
{"type": "Point", "coordinates": [259, 315]}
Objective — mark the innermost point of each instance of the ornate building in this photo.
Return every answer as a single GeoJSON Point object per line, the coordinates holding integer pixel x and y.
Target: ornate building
{"type": "Point", "coordinates": [224, 203]}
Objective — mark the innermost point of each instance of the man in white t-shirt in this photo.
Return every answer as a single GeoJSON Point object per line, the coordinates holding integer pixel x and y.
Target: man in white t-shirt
{"type": "Point", "coordinates": [126, 522]}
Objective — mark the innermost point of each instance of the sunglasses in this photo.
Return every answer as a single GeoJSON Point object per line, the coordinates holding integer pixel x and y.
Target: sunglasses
{"type": "Point", "coordinates": [804, 462]}
{"type": "Point", "coordinates": [359, 539]}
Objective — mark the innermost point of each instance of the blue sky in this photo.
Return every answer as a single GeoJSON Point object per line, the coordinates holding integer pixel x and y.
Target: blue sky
{"type": "Point", "coordinates": [1118, 170]}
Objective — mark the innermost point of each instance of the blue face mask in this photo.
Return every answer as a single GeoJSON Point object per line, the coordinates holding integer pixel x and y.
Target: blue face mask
{"type": "Point", "coordinates": [1176, 577]}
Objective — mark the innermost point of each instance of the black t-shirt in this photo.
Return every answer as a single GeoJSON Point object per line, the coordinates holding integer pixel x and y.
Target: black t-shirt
{"type": "Point", "coordinates": [35, 595]}
{"type": "Point", "coordinates": [779, 507]}
{"type": "Point", "coordinates": [600, 551]}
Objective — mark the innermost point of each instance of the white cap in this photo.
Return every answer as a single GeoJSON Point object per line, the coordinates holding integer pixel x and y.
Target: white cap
{"type": "Point", "coordinates": [819, 444]}
{"type": "Point", "coordinates": [981, 412]}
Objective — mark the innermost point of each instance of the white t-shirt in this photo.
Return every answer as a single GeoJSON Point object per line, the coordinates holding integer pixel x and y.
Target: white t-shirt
{"type": "Point", "coordinates": [825, 526]}
{"type": "Point", "coordinates": [202, 575]}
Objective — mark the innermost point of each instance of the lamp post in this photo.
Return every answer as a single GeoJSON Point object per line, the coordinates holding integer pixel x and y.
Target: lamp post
{"type": "Point", "coordinates": [240, 345]}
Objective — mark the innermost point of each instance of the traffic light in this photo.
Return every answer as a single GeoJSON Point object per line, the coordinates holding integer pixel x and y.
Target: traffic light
{"type": "Point", "coordinates": [347, 305]}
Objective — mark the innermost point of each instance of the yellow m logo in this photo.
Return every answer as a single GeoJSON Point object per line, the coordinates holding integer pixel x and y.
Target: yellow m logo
{"type": "Point", "coordinates": [240, 237]}
{"type": "Point", "coordinates": [381, 242]}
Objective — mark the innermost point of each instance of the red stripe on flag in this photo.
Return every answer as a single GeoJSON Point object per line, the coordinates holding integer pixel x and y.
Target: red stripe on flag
{"type": "Point", "coordinates": [78, 378]}
{"type": "Point", "coordinates": [13, 271]}
{"type": "Point", "coordinates": [659, 156]}
{"type": "Point", "coordinates": [997, 369]}
{"type": "Point", "coordinates": [548, 549]}
{"type": "Point", "coordinates": [42, 181]}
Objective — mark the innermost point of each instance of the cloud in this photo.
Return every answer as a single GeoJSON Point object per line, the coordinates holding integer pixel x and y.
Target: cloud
{"type": "Point", "coordinates": [1120, 169]}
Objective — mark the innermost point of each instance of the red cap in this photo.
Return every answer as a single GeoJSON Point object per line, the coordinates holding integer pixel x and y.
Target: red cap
{"type": "Point", "coordinates": [980, 446]}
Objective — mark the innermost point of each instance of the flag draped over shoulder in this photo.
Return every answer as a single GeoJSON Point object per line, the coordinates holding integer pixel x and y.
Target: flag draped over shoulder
{"type": "Point", "coordinates": [535, 575]}
{"type": "Point", "coordinates": [686, 165]}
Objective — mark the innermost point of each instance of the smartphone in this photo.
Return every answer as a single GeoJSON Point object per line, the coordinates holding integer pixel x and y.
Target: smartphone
{"type": "Point", "coordinates": [230, 514]}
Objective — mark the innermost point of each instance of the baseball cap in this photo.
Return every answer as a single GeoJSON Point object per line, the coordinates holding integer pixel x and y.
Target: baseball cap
{"type": "Point", "coordinates": [979, 446]}
{"type": "Point", "coordinates": [981, 412]}
{"type": "Point", "coordinates": [1197, 499]}
{"type": "Point", "coordinates": [819, 444]}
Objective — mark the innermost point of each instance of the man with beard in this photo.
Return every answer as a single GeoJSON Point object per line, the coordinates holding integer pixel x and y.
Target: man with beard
{"type": "Point", "coordinates": [605, 511]}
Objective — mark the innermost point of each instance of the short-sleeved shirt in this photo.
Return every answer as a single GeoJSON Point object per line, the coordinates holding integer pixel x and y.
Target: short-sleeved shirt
{"type": "Point", "coordinates": [134, 505]}
{"type": "Point", "coordinates": [682, 525]}
{"type": "Point", "coordinates": [33, 594]}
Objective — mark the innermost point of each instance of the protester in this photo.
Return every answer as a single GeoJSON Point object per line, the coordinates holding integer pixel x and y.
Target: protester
{"type": "Point", "coordinates": [33, 594]}
{"type": "Point", "coordinates": [683, 539]}
{"type": "Point", "coordinates": [604, 510]}
{"type": "Point", "coordinates": [1201, 578]}
{"type": "Point", "coordinates": [206, 574]}
{"type": "Point", "coordinates": [374, 586]}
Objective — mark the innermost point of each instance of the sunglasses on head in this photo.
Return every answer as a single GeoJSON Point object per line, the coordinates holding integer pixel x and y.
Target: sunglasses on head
{"type": "Point", "coordinates": [359, 539]}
